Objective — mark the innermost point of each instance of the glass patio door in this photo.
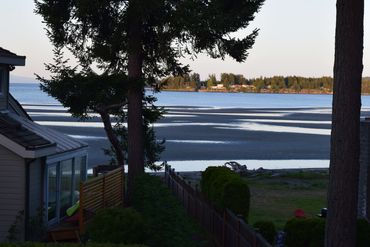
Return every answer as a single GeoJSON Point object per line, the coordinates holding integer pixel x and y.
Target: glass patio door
{"type": "Point", "coordinates": [66, 186]}
{"type": "Point", "coordinates": [52, 193]}
{"type": "Point", "coordinates": [62, 191]}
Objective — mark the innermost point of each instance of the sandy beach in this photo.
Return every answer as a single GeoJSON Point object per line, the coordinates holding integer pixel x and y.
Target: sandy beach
{"type": "Point", "coordinates": [195, 133]}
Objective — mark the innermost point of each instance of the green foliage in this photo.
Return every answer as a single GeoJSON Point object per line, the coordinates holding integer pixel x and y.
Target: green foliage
{"type": "Point", "coordinates": [311, 232]}
{"type": "Point", "coordinates": [212, 81]}
{"type": "Point", "coordinates": [36, 244]}
{"type": "Point", "coordinates": [266, 229]}
{"type": "Point", "coordinates": [16, 229]}
{"type": "Point", "coordinates": [36, 227]}
{"type": "Point", "coordinates": [363, 233]}
{"type": "Point", "coordinates": [210, 174]}
{"type": "Point", "coordinates": [305, 232]}
{"type": "Point", "coordinates": [97, 32]}
{"type": "Point", "coordinates": [226, 189]}
{"type": "Point", "coordinates": [117, 225]}
{"type": "Point", "coordinates": [84, 92]}
{"type": "Point", "coordinates": [167, 224]}
{"type": "Point", "coordinates": [236, 196]}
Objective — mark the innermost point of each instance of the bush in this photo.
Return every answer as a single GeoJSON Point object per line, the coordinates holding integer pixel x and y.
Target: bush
{"type": "Point", "coordinates": [210, 174]}
{"type": "Point", "coordinates": [266, 229]}
{"type": "Point", "coordinates": [236, 196]}
{"type": "Point", "coordinates": [363, 233]}
{"type": "Point", "coordinates": [311, 233]}
{"type": "Point", "coordinates": [305, 232]}
{"type": "Point", "coordinates": [226, 189]}
{"type": "Point", "coordinates": [166, 221]}
{"type": "Point", "coordinates": [117, 225]}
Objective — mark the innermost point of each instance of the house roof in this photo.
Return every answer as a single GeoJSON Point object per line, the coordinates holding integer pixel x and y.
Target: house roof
{"type": "Point", "coordinates": [63, 142]}
{"type": "Point", "coordinates": [10, 58]}
{"type": "Point", "coordinates": [31, 140]}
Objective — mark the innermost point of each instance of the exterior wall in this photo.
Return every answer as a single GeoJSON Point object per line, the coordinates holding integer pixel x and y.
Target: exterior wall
{"type": "Point", "coordinates": [4, 85]}
{"type": "Point", "coordinates": [36, 187]}
{"type": "Point", "coordinates": [364, 176]}
{"type": "Point", "coordinates": [12, 190]}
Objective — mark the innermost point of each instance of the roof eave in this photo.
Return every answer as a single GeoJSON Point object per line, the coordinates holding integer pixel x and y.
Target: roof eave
{"type": "Point", "coordinates": [13, 60]}
{"type": "Point", "coordinates": [24, 152]}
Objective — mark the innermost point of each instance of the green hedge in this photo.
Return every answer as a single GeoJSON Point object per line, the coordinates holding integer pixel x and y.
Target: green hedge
{"type": "Point", "coordinates": [363, 233]}
{"type": "Point", "coordinates": [167, 223]}
{"type": "Point", "coordinates": [311, 233]}
{"type": "Point", "coordinates": [35, 244]}
{"type": "Point", "coordinates": [266, 229]}
{"type": "Point", "coordinates": [226, 189]}
{"type": "Point", "coordinates": [305, 232]}
{"type": "Point", "coordinates": [117, 225]}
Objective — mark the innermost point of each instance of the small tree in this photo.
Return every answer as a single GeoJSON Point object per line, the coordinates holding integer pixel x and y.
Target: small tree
{"type": "Point", "coordinates": [211, 81]}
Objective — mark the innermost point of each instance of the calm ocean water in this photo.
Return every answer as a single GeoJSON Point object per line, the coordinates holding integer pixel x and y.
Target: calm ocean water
{"type": "Point", "coordinates": [29, 93]}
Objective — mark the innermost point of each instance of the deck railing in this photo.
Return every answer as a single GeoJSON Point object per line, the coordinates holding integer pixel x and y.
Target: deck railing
{"type": "Point", "coordinates": [101, 192]}
{"type": "Point", "coordinates": [226, 229]}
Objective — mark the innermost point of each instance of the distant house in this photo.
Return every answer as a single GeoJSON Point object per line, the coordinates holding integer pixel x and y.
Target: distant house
{"type": "Point", "coordinates": [219, 86]}
{"type": "Point", "coordinates": [40, 169]}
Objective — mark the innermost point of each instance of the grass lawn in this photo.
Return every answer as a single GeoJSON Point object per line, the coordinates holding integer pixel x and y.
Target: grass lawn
{"type": "Point", "coordinates": [275, 196]}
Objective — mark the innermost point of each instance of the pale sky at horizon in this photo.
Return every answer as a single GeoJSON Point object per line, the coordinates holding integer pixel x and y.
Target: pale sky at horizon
{"type": "Point", "coordinates": [296, 38]}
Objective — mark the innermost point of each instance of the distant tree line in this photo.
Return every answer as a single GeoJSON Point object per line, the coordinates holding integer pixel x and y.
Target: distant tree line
{"type": "Point", "coordinates": [237, 82]}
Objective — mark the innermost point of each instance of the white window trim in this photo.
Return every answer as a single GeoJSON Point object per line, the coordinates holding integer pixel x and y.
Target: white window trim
{"type": "Point", "coordinates": [2, 80]}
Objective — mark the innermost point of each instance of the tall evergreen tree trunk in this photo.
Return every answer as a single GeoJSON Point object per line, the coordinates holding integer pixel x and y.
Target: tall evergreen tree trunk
{"type": "Point", "coordinates": [135, 96]}
{"type": "Point", "coordinates": [345, 143]}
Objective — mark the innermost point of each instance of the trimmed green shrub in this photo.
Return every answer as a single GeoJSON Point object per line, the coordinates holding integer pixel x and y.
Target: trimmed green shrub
{"type": "Point", "coordinates": [266, 229]}
{"type": "Point", "coordinates": [302, 232]}
{"type": "Point", "coordinates": [311, 233]}
{"type": "Point", "coordinates": [363, 233]}
{"type": "Point", "coordinates": [236, 196]}
{"type": "Point", "coordinates": [167, 223]}
{"type": "Point", "coordinates": [226, 189]}
{"type": "Point", "coordinates": [210, 174]}
{"type": "Point", "coordinates": [36, 244]}
{"type": "Point", "coordinates": [117, 225]}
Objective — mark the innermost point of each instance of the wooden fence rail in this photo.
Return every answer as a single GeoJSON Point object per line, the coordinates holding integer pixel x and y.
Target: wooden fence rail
{"type": "Point", "coordinates": [101, 192]}
{"type": "Point", "coordinates": [226, 229]}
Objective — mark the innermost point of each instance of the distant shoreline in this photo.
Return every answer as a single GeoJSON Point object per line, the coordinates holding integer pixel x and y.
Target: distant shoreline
{"type": "Point", "coordinates": [262, 92]}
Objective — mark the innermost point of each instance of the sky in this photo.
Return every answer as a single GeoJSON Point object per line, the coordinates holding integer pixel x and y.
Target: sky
{"type": "Point", "coordinates": [296, 37]}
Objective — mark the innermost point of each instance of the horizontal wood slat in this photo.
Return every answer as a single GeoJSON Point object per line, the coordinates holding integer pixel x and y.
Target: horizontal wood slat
{"type": "Point", "coordinates": [101, 192]}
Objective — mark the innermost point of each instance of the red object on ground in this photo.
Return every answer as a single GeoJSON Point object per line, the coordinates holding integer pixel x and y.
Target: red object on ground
{"type": "Point", "coordinates": [74, 218]}
{"type": "Point", "coordinates": [299, 213]}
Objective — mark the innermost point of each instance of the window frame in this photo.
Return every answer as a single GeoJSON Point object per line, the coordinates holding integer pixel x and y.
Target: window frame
{"type": "Point", "coordinates": [57, 163]}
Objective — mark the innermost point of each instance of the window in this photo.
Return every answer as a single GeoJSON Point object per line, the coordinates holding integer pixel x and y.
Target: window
{"type": "Point", "coordinates": [2, 80]}
{"type": "Point", "coordinates": [63, 183]}
{"type": "Point", "coordinates": [66, 186]}
{"type": "Point", "coordinates": [52, 192]}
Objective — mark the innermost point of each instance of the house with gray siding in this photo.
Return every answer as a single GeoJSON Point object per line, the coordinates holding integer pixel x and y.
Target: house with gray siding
{"type": "Point", "coordinates": [40, 168]}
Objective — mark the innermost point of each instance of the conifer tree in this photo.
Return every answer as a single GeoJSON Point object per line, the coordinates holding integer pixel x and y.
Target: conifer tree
{"type": "Point", "coordinates": [145, 39]}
